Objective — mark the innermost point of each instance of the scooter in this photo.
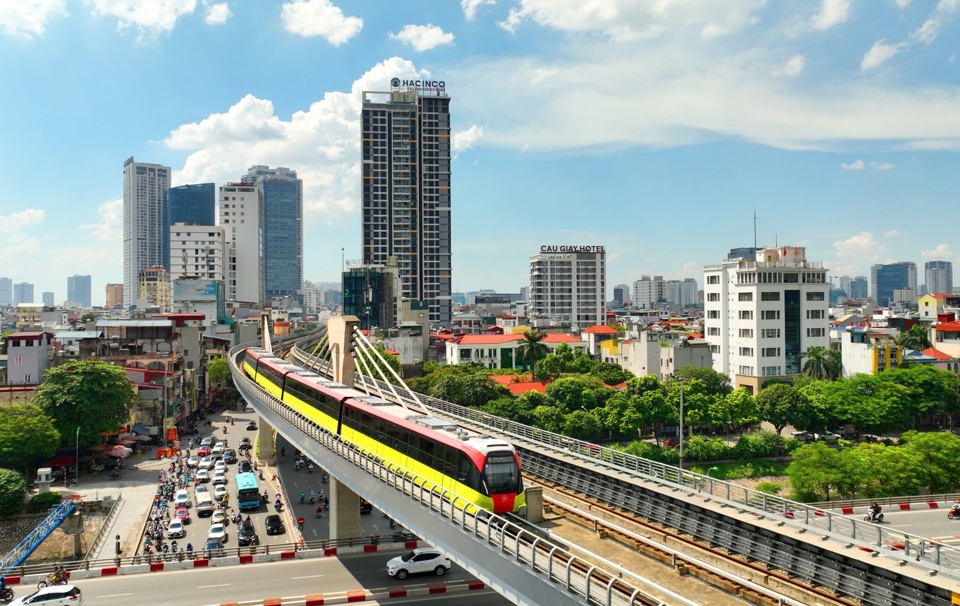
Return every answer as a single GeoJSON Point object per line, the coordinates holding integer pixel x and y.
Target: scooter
{"type": "Point", "coordinates": [6, 595]}
{"type": "Point", "coordinates": [954, 512]}
{"type": "Point", "coordinates": [878, 518]}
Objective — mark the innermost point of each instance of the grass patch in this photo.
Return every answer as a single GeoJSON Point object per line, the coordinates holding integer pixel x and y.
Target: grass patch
{"type": "Point", "coordinates": [739, 470]}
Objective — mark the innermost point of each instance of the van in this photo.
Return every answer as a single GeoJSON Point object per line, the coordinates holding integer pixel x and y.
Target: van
{"type": "Point", "coordinates": [205, 504]}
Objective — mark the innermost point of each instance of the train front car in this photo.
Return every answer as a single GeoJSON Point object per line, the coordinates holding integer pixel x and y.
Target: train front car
{"type": "Point", "coordinates": [500, 475]}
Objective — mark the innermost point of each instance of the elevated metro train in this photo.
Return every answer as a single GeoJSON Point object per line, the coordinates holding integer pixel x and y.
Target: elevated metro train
{"type": "Point", "coordinates": [481, 469]}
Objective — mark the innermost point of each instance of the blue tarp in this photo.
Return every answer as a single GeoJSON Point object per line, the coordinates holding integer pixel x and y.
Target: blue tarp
{"type": "Point", "coordinates": [140, 429]}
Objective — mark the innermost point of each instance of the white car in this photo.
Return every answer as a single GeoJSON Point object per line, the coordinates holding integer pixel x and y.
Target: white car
{"type": "Point", "coordinates": [205, 463]}
{"type": "Point", "coordinates": [217, 531]}
{"type": "Point", "coordinates": [418, 560]}
{"type": "Point", "coordinates": [219, 477]}
{"type": "Point", "coordinates": [182, 498]}
{"type": "Point", "coordinates": [176, 530]}
{"type": "Point", "coordinates": [219, 491]}
{"type": "Point", "coordinates": [220, 465]}
{"type": "Point", "coordinates": [218, 449]}
{"type": "Point", "coordinates": [203, 475]}
{"type": "Point", "coordinates": [200, 489]}
{"type": "Point", "coordinates": [54, 595]}
{"type": "Point", "coordinates": [193, 461]}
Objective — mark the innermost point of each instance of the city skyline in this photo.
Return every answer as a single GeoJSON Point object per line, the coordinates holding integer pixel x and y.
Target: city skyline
{"type": "Point", "coordinates": [602, 127]}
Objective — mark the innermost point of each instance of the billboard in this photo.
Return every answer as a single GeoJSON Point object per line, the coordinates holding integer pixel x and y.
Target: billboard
{"type": "Point", "coordinates": [195, 290]}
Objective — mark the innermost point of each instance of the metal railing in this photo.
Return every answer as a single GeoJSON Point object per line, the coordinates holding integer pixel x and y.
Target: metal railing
{"type": "Point", "coordinates": [909, 549]}
{"type": "Point", "coordinates": [105, 528]}
{"type": "Point", "coordinates": [540, 557]}
{"type": "Point", "coordinates": [33, 540]}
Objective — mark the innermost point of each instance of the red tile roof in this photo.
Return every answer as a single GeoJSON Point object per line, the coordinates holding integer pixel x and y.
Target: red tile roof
{"type": "Point", "coordinates": [949, 327]}
{"type": "Point", "coordinates": [521, 388]}
{"type": "Point", "coordinates": [600, 329]}
{"type": "Point", "coordinates": [561, 338]}
{"type": "Point", "coordinates": [933, 352]}
{"type": "Point", "coordinates": [487, 339]}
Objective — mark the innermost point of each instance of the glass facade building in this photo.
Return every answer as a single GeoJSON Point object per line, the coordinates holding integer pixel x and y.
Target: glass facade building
{"type": "Point", "coordinates": [405, 154]}
{"type": "Point", "coordinates": [938, 276]}
{"type": "Point", "coordinates": [893, 276]}
{"type": "Point", "coordinates": [78, 290]}
{"type": "Point", "coordinates": [145, 225]}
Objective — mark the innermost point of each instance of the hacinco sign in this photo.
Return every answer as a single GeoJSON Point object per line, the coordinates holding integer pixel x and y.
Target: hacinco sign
{"type": "Point", "coordinates": [568, 248]}
{"type": "Point", "coordinates": [398, 83]}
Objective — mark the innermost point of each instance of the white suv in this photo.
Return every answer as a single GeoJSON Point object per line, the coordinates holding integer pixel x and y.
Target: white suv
{"type": "Point", "coordinates": [54, 595]}
{"type": "Point", "coordinates": [418, 560]}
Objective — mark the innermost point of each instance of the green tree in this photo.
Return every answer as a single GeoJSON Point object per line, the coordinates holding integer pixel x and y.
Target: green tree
{"type": "Point", "coordinates": [87, 317]}
{"type": "Point", "coordinates": [610, 374]}
{"type": "Point", "coordinates": [582, 425]}
{"type": "Point", "coordinates": [575, 392]}
{"type": "Point", "coordinates": [219, 373]}
{"type": "Point", "coordinates": [937, 455]}
{"type": "Point", "coordinates": [931, 390]}
{"type": "Point", "coordinates": [656, 410]}
{"type": "Point", "coordinates": [814, 471]}
{"type": "Point", "coordinates": [564, 359]}
{"type": "Point", "coordinates": [869, 402]}
{"type": "Point", "coordinates": [507, 407]}
{"type": "Point", "coordinates": [549, 418]}
{"type": "Point", "coordinates": [738, 409]}
{"type": "Point", "coordinates": [822, 363]}
{"type": "Point", "coordinates": [91, 395]}
{"type": "Point", "coordinates": [530, 349]}
{"type": "Point", "coordinates": [715, 383]}
{"type": "Point", "coordinates": [472, 390]}
{"type": "Point", "coordinates": [782, 405]}
{"type": "Point", "coordinates": [637, 386]}
{"type": "Point", "coordinates": [27, 437]}
{"type": "Point", "coordinates": [917, 337]}
{"type": "Point", "coordinates": [13, 489]}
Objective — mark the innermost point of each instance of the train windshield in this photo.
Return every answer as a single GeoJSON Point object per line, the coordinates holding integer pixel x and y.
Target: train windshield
{"type": "Point", "coordinates": [501, 474]}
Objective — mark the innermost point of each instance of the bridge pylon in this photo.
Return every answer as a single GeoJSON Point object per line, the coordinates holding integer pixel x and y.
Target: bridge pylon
{"type": "Point", "coordinates": [340, 338]}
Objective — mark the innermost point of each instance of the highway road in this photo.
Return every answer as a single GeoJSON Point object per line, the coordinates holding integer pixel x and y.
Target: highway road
{"type": "Point", "coordinates": [930, 523]}
{"type": "Point", "coordinates": [198, 587]}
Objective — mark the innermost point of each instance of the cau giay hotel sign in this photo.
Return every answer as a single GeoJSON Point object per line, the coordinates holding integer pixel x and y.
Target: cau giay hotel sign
{"type": "Point", "coordinates": [570, 248]}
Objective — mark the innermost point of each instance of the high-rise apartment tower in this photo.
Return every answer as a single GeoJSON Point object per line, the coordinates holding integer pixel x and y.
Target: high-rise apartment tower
{"type": "Point", "coordinates": [194, 204]}
{"type": "Point", "coordinates": [568, 285]}
{"type": "Point", "coordinates": [78, 290]}
{"type": "Point", "coordinates": [282, 196]}
{"type": "Point", "coordinates": [145, 225]}
{"type": "Point", "coordinates": [405, 151]}
{"type": "Point", "coordinates": [938, 276]}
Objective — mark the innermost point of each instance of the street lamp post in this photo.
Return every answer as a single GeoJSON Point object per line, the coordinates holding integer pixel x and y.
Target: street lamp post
{"type": "Point", "coordinates": [77, 462]}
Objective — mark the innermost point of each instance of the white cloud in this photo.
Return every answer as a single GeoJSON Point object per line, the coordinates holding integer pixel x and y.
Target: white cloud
{"type": "Point", "coordinates": [321, 143]}
{"type": "Point", "coordinates": [631, 19]}
{"type": "Point", "coordinates": [110, 227]}
{"type": "Point", "coordinates": [861, 165]}
{"type": "Point", "coordinates": [948, 6]}
{"type": "Point", "coordinates": [320, 18]}
{"type": "Point", "coordinates": [878, 54]}
{"type": "Point", "coordinates": [423, 37]}
{"type": "Point", "coordinates": [857, 165]}
{"type": "Point", "coordinates": [148, 16]}
{"type": "Point", "coordinates": [542, 73]}
{"type": "Point", "coordinates": [16, 221]}
{"type": "Point", "coordinates": [942, 251]}
{"type": "Point", "coordinates": [831, 13]}
{"type": "Point", "coordinates": [28, 18]}
{"type": "Point", "coordinates": [794, 66]}
{"type": "Point", "coordinates": [881, 166]}
{"type": "Point", "coordinates": [465, 139]}
{"type": "Point", "coordinates": [927, 32]}
{"type": "Point", "coordinates": [903, 3]}
{"type": "Point", "coordinates": [893, 233]}
{"type": "Point", "coordinates": [217, 14]}
{"type": "Point", "coordinates": [856, 254]}
{"type": "Point", "coordinates": [470, 7]}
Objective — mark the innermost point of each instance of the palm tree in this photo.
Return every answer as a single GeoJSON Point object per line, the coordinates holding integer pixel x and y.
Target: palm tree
{"type": "Point", "coordinates": [531, 349]}
{"type": "Point", "coordinates": [915, 338]}
{"type": "Point", "coordinates": [822, 363]}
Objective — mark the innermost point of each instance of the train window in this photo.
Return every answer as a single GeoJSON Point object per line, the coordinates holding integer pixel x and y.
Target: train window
{"type": "Point", "coordinates": [500, 473]}
{"type": "Point", "coordinates": [393, 437]}
{"type": "Point", "coordinates": [449, 461]}
{"type": "Point", "coordinates": [463, 468]}
{"type": "Point", "coordinates": [425, 451]}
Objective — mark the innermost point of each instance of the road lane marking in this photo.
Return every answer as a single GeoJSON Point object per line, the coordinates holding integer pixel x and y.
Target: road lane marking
{"type": "Point", "coordinates": [211, 586]}
{"type": "Point", "coordinates": [312, 576]}
{"type": "Point", "coordinates": [114, 595]}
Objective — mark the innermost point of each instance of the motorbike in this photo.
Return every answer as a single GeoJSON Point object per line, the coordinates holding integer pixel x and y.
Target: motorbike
{"type": "Point", "coordinates": [324, 478]}
{"type": "Point", "coordinates": [54, 578]}
{"type": "Point", "coordinates": [954, 512]}
{"type": "Point", "coordinates": [878, 518]}
{"type": "Point", "coordinates": [6, 595]}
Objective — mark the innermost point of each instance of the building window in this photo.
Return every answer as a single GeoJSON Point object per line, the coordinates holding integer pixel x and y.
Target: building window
{"type": "Point", "coordinates": [713, 279]}
{"type": "Point", "coordinates": [770, 333]}
{"type": "Point", "coordinates": [465, 354]}
{"type": "Point", "coordinates": [746, 370]}
{"type": "Point", "coordinates": [713, 314]}
{"type": "Point", "coordinates": [713, 331]}
{"type": "Point", "coordinates": [746, 314]}
{"type": "Point", "coordinates": [746, 333]}
{"type": "Point", "coordinates": [770, 296]}
{"type": "Point", "coordinates": [746, 351]}
{"type": "Point", "coordinates": [715, 349]}
{"type": "Point", "coordinates": [815, 296]}
{"type": "Point", "coordinates": [770, 314]}
{"type": "Point", "coordinates": [816, 332]}
{"type": "Point", "coordinates": [771, 371]}
{"type": "Point", "coordinates": [770, 352]}
{"type": "Point", "coordinates": [816, 314]}
{"type": "Point", "coordinates": [745, 296]}
{"type": "Point", "coordinates": [713, 296]}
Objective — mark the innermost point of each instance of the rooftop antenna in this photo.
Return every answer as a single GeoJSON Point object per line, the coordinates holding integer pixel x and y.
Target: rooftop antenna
{"type": "Point", "coordinates": [754, 229]}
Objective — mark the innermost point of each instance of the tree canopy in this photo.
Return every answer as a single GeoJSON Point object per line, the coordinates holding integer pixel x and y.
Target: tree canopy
{"type": "Point", "coordinates": [91, 395]}
{"type": "Point", "coordinates": [27, 437]}
{"type": "Point", "coordinates": [219, 373]}
{"type": "Point", "coordinates": [531, 349]}
{"type": "Point", "coordinates": [822, 363]}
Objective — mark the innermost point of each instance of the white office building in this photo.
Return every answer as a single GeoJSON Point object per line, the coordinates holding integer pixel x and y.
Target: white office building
{"type": "Point", "coordinates": [568, 285]}
{"type": "Point", "coordinates": [241, 217]}
{"type": "Point", "coordinates": [761, 315]}
{"type": "Point", "coordinates": [196, 251]}
{"type": "Point", "coordinates": [648, 290]}
{"type": "Point", "coordinates": [144, 221]}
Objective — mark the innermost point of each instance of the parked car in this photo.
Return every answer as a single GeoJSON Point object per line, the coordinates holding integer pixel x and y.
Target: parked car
{"type": "Point", "coordinates": [274, 524]}
{"type": "Point", "coordinates": [417, 561]}
{"type": "Point", "coordinates": [176, 530]}
{"type": "Point", "coordinates": [54, 595]}
{"type": "Point", "coordinates": [217, 531]}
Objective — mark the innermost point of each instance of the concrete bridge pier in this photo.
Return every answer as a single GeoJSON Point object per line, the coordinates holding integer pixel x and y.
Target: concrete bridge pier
{"type": "Point", "coordinates": [344, 512]}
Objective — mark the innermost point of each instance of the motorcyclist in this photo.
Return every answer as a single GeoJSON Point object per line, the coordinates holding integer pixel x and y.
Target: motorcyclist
{"type": "Point", "coordinates": [303, 496]}
{"type": "Point", "coordinates": [313, 496]}
{"type": "Point", "coordinates": [875, 510]}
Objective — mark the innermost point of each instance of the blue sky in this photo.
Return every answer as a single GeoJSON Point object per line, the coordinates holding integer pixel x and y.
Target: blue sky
{"type": "Point", "coordinates": [653, 127]}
